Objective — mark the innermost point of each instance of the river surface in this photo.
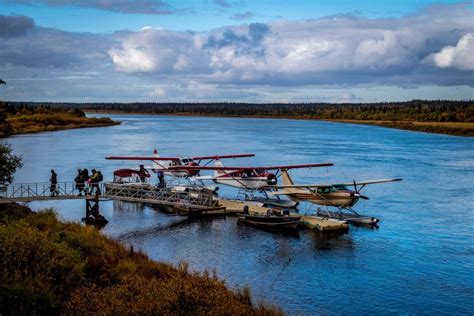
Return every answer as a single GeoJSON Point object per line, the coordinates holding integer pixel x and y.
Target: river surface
{"type": "Point", "coordinates": [420, 259]}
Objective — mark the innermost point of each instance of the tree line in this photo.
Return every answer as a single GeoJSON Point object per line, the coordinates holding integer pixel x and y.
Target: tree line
{"type": "Point", "coordinates": [416, 110]}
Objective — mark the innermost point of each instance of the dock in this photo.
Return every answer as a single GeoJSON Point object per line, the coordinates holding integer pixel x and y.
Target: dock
{"type": "Point", "coordinates": [193, 204]}
{"type": "Point", "coordinates": [312, 222]}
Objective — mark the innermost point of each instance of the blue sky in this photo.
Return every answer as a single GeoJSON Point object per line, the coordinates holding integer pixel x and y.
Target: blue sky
{"type": "Point", "coordinates": [206, 14]}
{"type": "Point", "coordinates": [236, 50]}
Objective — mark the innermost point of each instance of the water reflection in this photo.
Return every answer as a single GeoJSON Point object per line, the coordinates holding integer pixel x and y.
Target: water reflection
{"type": "Point", "coordinates": [152, 231]}
{"type": "Point", "coordinates": [331, 241]}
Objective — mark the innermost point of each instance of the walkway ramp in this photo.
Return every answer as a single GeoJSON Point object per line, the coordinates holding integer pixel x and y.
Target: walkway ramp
{"type": "Point", "coordinates": [39, 191]}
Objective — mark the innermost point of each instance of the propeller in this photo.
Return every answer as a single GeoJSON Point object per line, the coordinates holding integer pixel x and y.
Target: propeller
{"type": "Point", "coordinates": [271, 179]}
{"type": "Point", "coordinates": [358, 193]}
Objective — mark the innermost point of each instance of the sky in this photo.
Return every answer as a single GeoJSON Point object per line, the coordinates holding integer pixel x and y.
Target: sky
{"type": "Point", "coordinates": [236, 50]}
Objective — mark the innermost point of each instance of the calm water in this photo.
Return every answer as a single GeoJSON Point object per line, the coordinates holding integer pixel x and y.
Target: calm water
{"type": "Point", "coordinates": [420, 260]}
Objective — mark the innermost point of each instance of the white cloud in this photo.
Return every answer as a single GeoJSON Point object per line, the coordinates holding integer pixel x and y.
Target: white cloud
{"type": "Point", "coordinates": [159, 51]}
{"type": "Point", "coordinates": [460, 56]}
{"type": "Point", "coordinates": [343, 48]}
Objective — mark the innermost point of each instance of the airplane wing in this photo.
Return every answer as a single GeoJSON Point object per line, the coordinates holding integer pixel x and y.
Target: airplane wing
{"type": "Point", "coordinates": [302, 186]}
{"type": "Point", "coordinates": [373, 181]}
{"type": "Point", "coordinates": [217, 157]}
{"type": "Point", "coordinates": [228, 168]}
{"type": "Point", "coordinates": [326, 185]}
{"type": "Point", "coordinates": [141, 158]}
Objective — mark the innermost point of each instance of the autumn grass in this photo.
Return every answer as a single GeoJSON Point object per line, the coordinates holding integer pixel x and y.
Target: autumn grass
{"type": "Point", "coordinates": [34, 123]}
{"type": "Point", "coordinates": [51, 267]}
{"type": "Point", "coordinates": [449, 128]}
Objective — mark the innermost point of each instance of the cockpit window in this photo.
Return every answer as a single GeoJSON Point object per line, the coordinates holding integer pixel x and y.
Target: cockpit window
{"type": "Point", "coordinates": [324, 190]}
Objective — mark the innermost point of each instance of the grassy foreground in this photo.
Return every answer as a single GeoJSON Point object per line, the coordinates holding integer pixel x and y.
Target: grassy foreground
{"type": "Point", "coordinates": [50, 267]}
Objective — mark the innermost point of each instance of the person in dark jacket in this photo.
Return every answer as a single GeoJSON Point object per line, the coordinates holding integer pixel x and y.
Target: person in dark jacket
{"type": "Point", "coordinates": [79, 180]}
{"type": "Point", "coordinates": [85, 177]}
{"type": "Point", "coordinates": [100, 178]}
{"type": "Point", "coordinates": [53, 188]}
{"type": "Point", "coordinates": [161, 178]}
{"type": "Point", "coordinates": [143, 173]}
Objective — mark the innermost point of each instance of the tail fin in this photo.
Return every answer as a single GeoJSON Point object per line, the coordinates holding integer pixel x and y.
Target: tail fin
{"type": "Point", "coordinates": [291, 193]}
{"type": "Point", "coordinates": [286, 180]}
{"type": "Point", "coordinates": [156, 165]}
{"type": "Point", "coordinates": [218, 163]}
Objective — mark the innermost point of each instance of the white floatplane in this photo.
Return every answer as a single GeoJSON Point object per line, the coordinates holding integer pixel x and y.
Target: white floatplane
{"type": "Point", "coordinates": [167, 164]}
{"type": "Point", "coordinates": [250, 178]}
{"type": "Point", "coordinates": [329, 195]}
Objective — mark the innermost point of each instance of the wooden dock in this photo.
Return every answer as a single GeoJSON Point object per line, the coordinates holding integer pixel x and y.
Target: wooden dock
{"type": "Point", "coordinates": [323, 224]}
{"type": "Point", "coordinates": [312, 222]}
{"type": "Point", "coordinates": [183, 203]}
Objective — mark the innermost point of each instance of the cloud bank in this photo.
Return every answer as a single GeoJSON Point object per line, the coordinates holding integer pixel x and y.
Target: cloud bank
{"type": "Point", "coordinates": [253, 62]}
{"type": "Point", "coordinates": [343, 49]}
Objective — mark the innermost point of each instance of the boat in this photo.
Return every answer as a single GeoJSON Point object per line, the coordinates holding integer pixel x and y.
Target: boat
{"type": "Point", "coordinates": [350, 218]}
{"type": "Point", "coordinates": [129, 178]}
{"type": "Point", "coordinates": [272, 219]}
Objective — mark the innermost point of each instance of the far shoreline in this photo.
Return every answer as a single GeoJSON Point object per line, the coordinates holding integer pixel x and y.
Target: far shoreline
{"type": "Point", "coordinates": [461, 129]}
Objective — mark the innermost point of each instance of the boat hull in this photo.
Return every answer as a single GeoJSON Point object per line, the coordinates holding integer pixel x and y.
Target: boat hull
{"type": "Point", "coordinates": [286, 222]}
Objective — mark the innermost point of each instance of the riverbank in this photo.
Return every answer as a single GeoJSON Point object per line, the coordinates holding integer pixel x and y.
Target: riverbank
{"type": "Point", "coordinates": [28, 124]}
{"type": "Point", "coordinates": [51, 267]}
{"type": "Point", "coordinates": [465, 129]}
{"type": "Point", "coordinates": [447, 128]}
{"type": "Point", "coordinates": [27, 121]}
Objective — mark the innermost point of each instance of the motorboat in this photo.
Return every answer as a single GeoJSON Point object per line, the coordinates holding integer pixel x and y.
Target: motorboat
{"type": "Point", "coordinates": [274, 218]}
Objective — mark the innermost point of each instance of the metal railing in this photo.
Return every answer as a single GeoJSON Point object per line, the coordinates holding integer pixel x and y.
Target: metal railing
{"type": "Point", "coordinates": [39, 191]}
{"type": "Point", "coordinates": [190, 200]}
{"type": "Point", "coordinates": [165, 196]}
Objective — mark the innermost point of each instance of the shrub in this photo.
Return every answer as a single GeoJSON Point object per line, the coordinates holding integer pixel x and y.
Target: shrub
{"type": "Point", "coordinates": [49, 267]}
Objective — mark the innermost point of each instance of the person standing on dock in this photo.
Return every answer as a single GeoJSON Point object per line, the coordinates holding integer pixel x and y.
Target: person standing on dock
{"type": "Point", "coordinates": [85, 178]}
{"type": "Point", "coordinates": [100, 178]}
{"type": "Point", "coordinates": [161, 178]}
{"type": "Point", "coordinates": [143, 174]}
{"type": "Point", "coordinates": [94, 181]}
{"type": "Point", "coordinates": [79, 180]}
{"type": "Point", "coordinates": [53, 184]}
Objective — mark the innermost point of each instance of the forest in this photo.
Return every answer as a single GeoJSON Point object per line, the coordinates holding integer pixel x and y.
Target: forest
{"type": "Point", "coordinates": [439, 116]}
{"type": "Point", "coordinates": [416, 110]}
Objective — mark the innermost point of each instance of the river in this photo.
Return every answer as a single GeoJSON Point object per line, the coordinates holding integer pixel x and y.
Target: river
{"type": "Point", "coordinates": [420, 259]}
